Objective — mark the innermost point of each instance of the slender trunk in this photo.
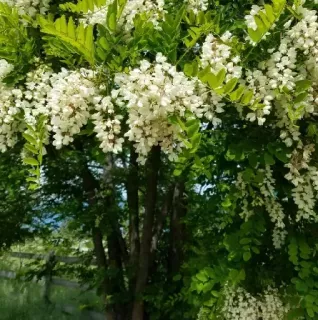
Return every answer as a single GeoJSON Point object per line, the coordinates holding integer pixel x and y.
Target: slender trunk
{"type": "Point", "coordinates": [162, 215]}
{"type": "Point", "coordinates": [90, 186]}
{"type": "Point", "coordinates": [115, 242]}
{"type": "Point", "coordinates": [177, 230]}
{"type": "Point", "coordinates": [153, 165]}
{"type": "Point", "coordinates": [133, 206]}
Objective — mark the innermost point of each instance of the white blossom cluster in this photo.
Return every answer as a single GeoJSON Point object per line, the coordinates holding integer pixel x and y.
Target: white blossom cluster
{"type": "Point", "coordinates": [241, 305]}
{"type": "Point", "coordinates": [265, 198]}
{"type": "Point", "coordinates": [9, 125]}
{"type": "Point", "coordinates": [29, 7]}
{"type": "Point", "coordinates": [250, 18]}
{"type": "Point", "coordinates": [304, 178]}
{"type": "Point", "coordinates": [69, 103]}
{"type": "Point", "coordinates": [69, 99]}
{"type": "Point", "coordinates": [65, 97]}
{"type": "Point", "coordinates": [8, 110]}
{"type": "Point", "coordinates": [198, 5]}
{"type": "Point", "coordinates": [251, 23]}
{"type": "Point", "coordinates": [151, 94]}
{"type": "Point", "coordinates": [273, 207]}
{"type": "Point", "coordinates": [217, 53]}
{"type": "Point", "coordinates": [107, 125]}
{"type": "Point", "coordinates": [5, 68]}
{"type": "Point", "coordinates": [153, 9]}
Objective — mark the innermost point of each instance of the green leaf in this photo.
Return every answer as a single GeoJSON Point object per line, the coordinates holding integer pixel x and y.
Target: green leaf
{"type": "Point", "coordinates": [195, 141]}
{"type": "Point", "coordinates": [255, 250]}
{"type": "Point", "coordinates": [202, 277]}
{"type": "Point", "coordinates": [177, 277]}
{"type": "Point", "coordinates": [294, 314]}
{"type": "Point", "coordinates": [310, 312]}
{"type": "Point", "coordinates": [31, 161]}
{"type": "Point", "coordinates": [265, 19]}
{"type": "Point", "coordinates": [302, 85]}
{"type": "Point", "coordinates": [247, 256]}
{"type": "Point", "coordinates": [253, 160]}
{"type": "Point", "coordinates": [226, 203]}
{"type": "Point", "coordinates": [30, 148]}
{"type": "Point", "coordinates": [245, 241]}
{"type": "Point", "coordinates": [269, 160]}
{"type": "Point", "coordinates": [188, 69]}
{"type": "Point", "coordinates": [301, 286]}
{"type": "Point", "coordinates": [247, 97]}
{"type": "Point", "coordinates": [32, 179]}
{"type": "Point", "coordinates": [192, 130]}
{"type": "Point", "coordinates": [248, 175]}
{"type": "Point", "coordinates": [80, 37]}
{"type": "Point", "coordinates": [230, 85]}
{"type": "Point", "coordinates": [301, 97]}
{"type": "Point", "coordinates": [220, 76]}
{"type": "Point", "coordinates": [30, 139]}
{"type": "Point", "coordinates": [237, 94]}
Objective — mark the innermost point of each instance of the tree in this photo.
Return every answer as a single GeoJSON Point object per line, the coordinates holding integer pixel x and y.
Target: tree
{"type": "Point", "coordinates": [185, 135]}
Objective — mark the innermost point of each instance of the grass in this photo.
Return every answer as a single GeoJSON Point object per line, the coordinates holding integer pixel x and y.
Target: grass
{"type": "Point", "coordinates": [23, 301]}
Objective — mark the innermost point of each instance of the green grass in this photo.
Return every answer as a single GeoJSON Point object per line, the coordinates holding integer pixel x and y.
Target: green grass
{"type": "Point", "coordinates": [23, 301]}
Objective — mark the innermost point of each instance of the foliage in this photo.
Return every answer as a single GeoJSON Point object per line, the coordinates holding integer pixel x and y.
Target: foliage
{"type": "Point", "coordinates": [181, 139]}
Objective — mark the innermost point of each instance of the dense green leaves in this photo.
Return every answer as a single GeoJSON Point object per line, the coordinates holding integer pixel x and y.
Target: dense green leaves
{"type": "Point", "coordinates": [79, 37]}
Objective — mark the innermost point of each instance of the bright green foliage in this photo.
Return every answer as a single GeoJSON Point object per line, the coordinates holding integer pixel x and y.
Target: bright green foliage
{"type": "Point", "coordinates": [16, 46]}
{"type": "Point", "coordinates": [79, 37]}
{"type": "Point", "coordinates": [83, 6]}
{"type": "Point", "coordinates": [265, 20]}
{"type": "Point", "coordinates": [34, 149]}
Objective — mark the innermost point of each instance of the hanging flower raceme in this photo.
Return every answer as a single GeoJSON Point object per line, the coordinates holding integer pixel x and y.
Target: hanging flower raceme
{"type": "Point", "coordinates": [29, 7]}
{"type": "Point", "coordinates": [152, 93]}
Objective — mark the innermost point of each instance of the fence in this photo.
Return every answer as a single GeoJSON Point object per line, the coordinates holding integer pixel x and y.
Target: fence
{"type": "Point", "coordinates": [50, 261]}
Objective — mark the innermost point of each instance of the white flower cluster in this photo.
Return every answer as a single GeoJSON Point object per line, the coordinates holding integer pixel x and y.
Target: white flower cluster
{"type": "Point", "coordinates": [153, 9]}
{"type": "Point", "coordinates": [107, 125]}
{"type": "Point", "coordinates": [29, 7]}
{"type": "Point", "coordinates": [304, 34]}
{"type": "Point", "coordinates": [306, 184]}
{"type": "Point", "coordinates": [250, 18]}
{"type": "Point", "coordinates": [198, 5]}
{"type": "Point", "coordinates": [68, 99]}
{"type": "Point", "coordinates": [251, 23]}
{"type": "Point", "coordinates": [5, 68]}
{"type": "Point", "coordinates": [265, 198]}
{"type": "Point", "coordinates": [65, 97]}
{"type": "Point", "coordinates": [274, 208]}
{"type": "Point", "coordinates": [241, 305]}
{"type": "Point", "coordinates": [9, 125]}
{"type": "Point", "coordinates": [69, 103]}
{"type": "Point", "coordinates": [152, 93]}
{"type": "Point", "coordinates": [217, 53]}
{"type": "Point", "coordinates": [8, 110]}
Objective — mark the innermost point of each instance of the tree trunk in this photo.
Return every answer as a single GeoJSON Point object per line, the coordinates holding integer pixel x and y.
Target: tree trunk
{"type": "Point", "coordinates": [90, 186]}
{"type": "Point", "coordinates": [133, 206]}
{"type": "Point", "coordinates": [153, 165]}
{"type": "Point", "coordinates": [177, 230]}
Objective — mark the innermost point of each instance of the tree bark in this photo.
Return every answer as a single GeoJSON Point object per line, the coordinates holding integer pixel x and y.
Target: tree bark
{"type": "Point", "coordinates": [115, 242]}
{"type": "Point", "coordinates": [163, 214]}
{"type": "Point", "coordinates": [90, 187]}
{"type": "Point", "coordinates": [153, 165]}
{"type": "Point", "coordinates": [177, 230]}
{"type": "Point", "coordinates": [133, 206]}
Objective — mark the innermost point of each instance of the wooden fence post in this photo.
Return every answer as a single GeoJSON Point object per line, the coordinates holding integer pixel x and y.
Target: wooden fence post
{"type": "Point", "coordinates": [48, 272]}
